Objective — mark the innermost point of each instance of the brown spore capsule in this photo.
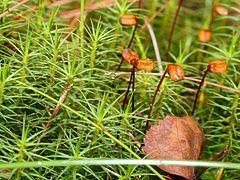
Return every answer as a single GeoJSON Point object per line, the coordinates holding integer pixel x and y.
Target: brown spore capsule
{"type": "Point", "coordinates": [175, 72]}
{"type": "Point", "coordinates": [218, 66]}
{"type": "Point", "coordinates": [128, 20]}
{"type": "Point", "coordinates": [146, 64]}
{"type": "Point", "coordinates": [204, 35]}
{"type": "Point", "coordinates": [221, 10]}
{"type": "Point", "coordinates": [130, 56]}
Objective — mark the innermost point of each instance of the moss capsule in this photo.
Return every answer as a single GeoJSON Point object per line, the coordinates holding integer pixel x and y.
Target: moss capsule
{"type": "Point", "coordinates": [175, 72]}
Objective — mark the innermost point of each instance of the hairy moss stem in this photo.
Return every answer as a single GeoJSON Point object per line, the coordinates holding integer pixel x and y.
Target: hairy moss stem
{"type": "Point", "coordinates": [65, 92]}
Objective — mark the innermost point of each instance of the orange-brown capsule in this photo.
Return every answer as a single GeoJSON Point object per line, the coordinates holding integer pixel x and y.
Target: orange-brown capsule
{"type": "Point", "coordinates": [146, 64]}
{"type": "Point", "coordinates": [221, 10]}
{"type": "Point", "coordinates": [175, 72]}
{"type": "Point", "coordinates": [218, 66]}
{"type": "Point", "coordinates": [204, 35]}
{"type": "Point", "coordinates": [130, 56]}
{"type": "Point", "coordinates": [128, 20]}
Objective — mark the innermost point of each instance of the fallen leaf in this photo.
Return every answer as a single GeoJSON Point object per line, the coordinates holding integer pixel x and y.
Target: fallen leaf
{"type": "Point", "coordinates": [175, 138]}
{"type": "Point", "coordinates": [90, 7]}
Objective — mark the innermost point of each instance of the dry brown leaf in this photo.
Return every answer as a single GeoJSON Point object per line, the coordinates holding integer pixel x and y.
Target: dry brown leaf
{"type": "Point", "coordinates": [90, 7]}
{"type": "Point", "coordinates": [60, 3]}
{"type": "Point", "coordinates": [175, 138]}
